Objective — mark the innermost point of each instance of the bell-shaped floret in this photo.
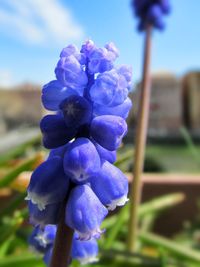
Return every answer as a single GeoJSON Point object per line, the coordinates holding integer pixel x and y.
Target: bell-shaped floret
{"type": "Point", "coordinates": [53, 93]}
{"type": "Point", "coordinates": [58, 152]}
{"type": "Point", "coordinates": [33, 242]}
{"type": "Point", "coordinates": [73, 50]}
{"type": "Point", "coordinates": [126, 71]}
{"type": "Point", "coordinates": [112, 49]}
{"type": "Point", "coordinates": [87, 47]}
{"type": "Point", "coordinates": [81, 160]}
{"type": "Point", "coordinates": [154, 16]}
{"type": "Point", "coordinates": [105, 154]}
{"type": "Point", "coordinates": [110, 185]}
{"type": "Point", "coordinates": [121, 110]}
{"type": "Point", "coordinates": [71, 74]}
{"type": "Point", "coordinates": [100, 60]}
{"type": "Point", "coordinates": [50, 215]}
{"type": "Point", "coordinates": [49, 183]}
{"type": "Point", "coordinates": [84, 212]}
{"type": "Point", "coordinates": [109, 89]}
{"type": "Point", "coordinates": [165, 6]}
{"type": "Point", "coordinates": [76, 110]}
{"type": "Point", "coordinates": [84, 251]}
{"type": "Point", "coordinates": [41, 239]}
{"type": "Point", "coordinates": [108, 131]}
{"type": "Point", "coordinates": [55, 131]}
{"type": "Point", "coordinates": [48, 255]}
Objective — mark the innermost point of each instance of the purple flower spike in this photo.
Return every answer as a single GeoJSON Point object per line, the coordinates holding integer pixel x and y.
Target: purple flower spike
{"type": "Point", "coordinates": [108, 131]}
{"type": "Point", "coordinates": [151, 12]}
{"type": "Point", "coordinates": [81, 160]}
{"type": "Point", "coordinates": [48, 183]}
{"type": "Point", "coordinates": [84, 251]}
{"type": "Point", "coordinates": [90, 101]}
{"type": "Point", "coordinates": [84, 212]}
{"type": "Point", "coordinates": [110, 185]}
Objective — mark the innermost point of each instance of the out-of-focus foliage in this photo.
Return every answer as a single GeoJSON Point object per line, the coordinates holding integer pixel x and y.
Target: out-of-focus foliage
{"type": "Point", "coordinates": [15, 171]}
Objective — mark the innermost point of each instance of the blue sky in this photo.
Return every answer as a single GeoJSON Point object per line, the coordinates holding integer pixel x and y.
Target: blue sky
{"type": "Point", "coordinates": [34, 31]}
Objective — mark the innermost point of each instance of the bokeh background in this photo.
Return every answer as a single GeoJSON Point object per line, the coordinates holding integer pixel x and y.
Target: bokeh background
{"type": "Point", "coordinates": [33, 32]}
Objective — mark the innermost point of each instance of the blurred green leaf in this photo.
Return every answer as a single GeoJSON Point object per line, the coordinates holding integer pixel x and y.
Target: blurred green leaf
{"type": "Point", "coordinates": [5, 246]}
{"type": "Point", "coordinates": [10, 224]}
{"type": "Point", "coordinates": [22, 261]}
{"type": "Point", "coordinates": [189, 142]}
{"type": "Point", "coordinates": [19, 150]}
{"type": "Point", "coordinates": [11, 175]}
{"type": "Point", "coordinates": [13, 204]}
{"type": "Point", "coordinates": [116, 228]}
{"type": "Point", "coordinates": [184, 253]}
{"type": "Point", "coordinates": [153, 206]}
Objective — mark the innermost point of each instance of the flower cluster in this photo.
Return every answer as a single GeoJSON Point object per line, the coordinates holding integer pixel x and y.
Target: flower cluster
{"type": "Point", "coordinates": [90, 102]}
{"type": "Point", "coordinates": [151, 12]}
{"type": "Point", "coordinates": [42, 240]}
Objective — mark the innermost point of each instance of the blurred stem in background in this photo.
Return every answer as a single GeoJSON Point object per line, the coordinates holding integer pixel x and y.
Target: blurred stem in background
{"type": "Point", "coordinates": [140, 142]}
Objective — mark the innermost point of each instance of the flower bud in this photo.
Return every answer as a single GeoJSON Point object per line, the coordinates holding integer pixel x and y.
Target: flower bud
{"type": "Point", "coordinates": [48, 183]}
{"type": "Point", "coordinates": [50, 215]}
{"type": "Point", "coordinates": [53, 93]}
{"type": "Point", "coordinates": [108, 131]}
{"type": "Point", "coordinates": [55, 131]}
{"type": "Point", "coordinates": [84, 212]}
{"type": "Point", "coordinates": [70, 73]}
{"type": "Point", "coordinates": [76, 110]}
{"type": "Point", "coordinates": [84, 251]}
{"type": "Point", "coordinates": [110, 185]}
{"type": "Point", "coordinates": [81, 160]}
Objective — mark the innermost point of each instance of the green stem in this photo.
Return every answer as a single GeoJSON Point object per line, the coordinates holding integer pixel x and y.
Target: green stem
{"type": "Point", "coordinates": [141, 135]}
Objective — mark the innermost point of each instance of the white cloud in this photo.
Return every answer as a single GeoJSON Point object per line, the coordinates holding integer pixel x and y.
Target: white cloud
{"type": "Point", "coordinates": [6, 79]}
{"type": "Point", "coordinates": [38, 21]}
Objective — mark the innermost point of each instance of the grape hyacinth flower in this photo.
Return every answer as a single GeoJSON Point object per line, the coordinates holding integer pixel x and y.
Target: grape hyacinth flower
{"type": "Point", "coordinates": [89, 98]}
{"type": "Point", "coordinates": [151, 12]}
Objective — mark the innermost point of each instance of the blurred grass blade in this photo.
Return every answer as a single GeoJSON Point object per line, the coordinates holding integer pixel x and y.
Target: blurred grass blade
{"type": "Point", "coordinates": [123, 157]}
{"type": "Point", "coordinates": [19, 150]}
{"type": "Point", "coordinates": [13, 204]}
{"type": "Point", "coordinates": [161, 203]}
{"type": "Point", "coordinates": [22, 261]}
{"type": "Point", "coordinates": [180, 251]}
{"type": "Point", "coordinates": [116, 228]}
{"type": "Point", "coordinates": [124, 258]}
{"type": "Point", "coordinates": [156, 205]}
{"type": "Point", "coordinates": [5, 246]}
{"type": "Point", "coordinates": [189, 142]}
{"type": "Point", "coordinates": [26, 165]}
{"type": "Point", "coordinates": [12, 224]}
{"type": "Point", "coordinates": [147, 222]}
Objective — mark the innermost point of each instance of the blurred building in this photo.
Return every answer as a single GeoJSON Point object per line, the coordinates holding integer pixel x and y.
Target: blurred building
{"type": "Point", "coordinates": [20, 107]}
{"type": "Point", "coordinates": [174, 103]}
{"type": "Point", "coordinates": [191, 102]}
